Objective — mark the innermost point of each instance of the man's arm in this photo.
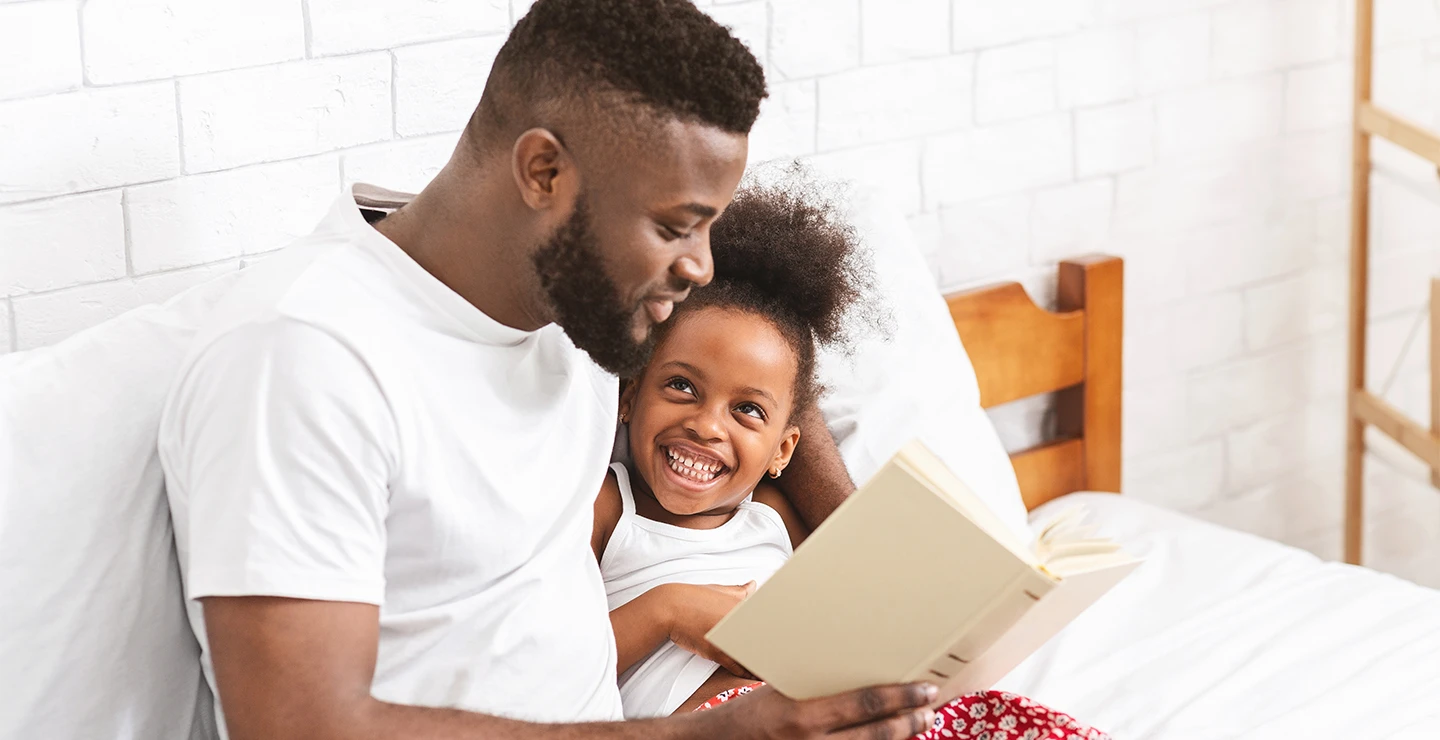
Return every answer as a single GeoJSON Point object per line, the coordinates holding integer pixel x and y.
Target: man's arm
{"type": "Point", "coordinates": [292, 669]}
{"type": "Point", "coordinates": [816, 480]}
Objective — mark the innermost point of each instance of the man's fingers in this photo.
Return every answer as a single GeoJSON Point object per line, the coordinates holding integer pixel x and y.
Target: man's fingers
{"type": "Point", "coordinates": [903, 727]}
{"type": "Point", "coordinates": [868, 705]}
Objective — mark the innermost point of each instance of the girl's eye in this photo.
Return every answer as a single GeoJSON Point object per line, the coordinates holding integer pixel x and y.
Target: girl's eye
{"type": "Point", "coordinates": [750, 409]}
{"type": "Point", "coordinates": [680, 384]}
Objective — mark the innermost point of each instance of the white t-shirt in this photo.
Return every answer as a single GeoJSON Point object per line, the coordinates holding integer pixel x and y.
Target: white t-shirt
{"type": "Point", "coordinates": [347, 428]}
{"type": "Point", "coordinates": [642, 554]}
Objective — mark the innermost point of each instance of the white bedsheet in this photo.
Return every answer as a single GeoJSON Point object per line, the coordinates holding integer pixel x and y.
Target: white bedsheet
{"type": "Point", "coordinates": [1221, 634]}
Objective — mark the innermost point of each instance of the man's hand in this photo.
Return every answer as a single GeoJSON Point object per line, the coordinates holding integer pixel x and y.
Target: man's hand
{"type": "Point", "coordinates": [695, 610]}
{"type": "Point", "coordinates": [880, 713]}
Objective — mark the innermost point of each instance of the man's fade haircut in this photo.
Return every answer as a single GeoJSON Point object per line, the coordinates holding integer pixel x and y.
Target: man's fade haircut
{"type": "Point", "coordinates": [666, 56]}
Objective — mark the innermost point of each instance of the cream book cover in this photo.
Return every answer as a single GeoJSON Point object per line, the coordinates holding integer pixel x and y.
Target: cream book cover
{"type": "Point", "coordinates": [913, 578]}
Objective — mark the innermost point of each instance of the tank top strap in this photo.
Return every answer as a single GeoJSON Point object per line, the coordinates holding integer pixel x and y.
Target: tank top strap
{"type": "Point", "coordinates": [627, 498]}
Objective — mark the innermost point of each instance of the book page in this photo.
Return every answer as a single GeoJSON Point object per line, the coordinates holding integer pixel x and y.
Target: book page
{"type": "Point", "coordinates": [932, 470]}
{"type": "Point", "coordinates": [895, 574]}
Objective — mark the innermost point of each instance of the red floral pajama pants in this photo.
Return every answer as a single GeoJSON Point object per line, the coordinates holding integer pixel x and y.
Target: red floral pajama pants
{"type": "Point", "coordinates": [987, 715]}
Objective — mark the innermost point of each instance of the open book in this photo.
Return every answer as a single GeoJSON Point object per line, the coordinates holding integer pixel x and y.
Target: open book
{"type": "Point", "coordinates": [913, 578]}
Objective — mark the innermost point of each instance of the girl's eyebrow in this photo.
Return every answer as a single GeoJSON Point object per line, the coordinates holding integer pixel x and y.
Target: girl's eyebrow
{"type": "Point", "coordinates": [687, 367]}
{"type": "Point", "coordinates": [760, 392]}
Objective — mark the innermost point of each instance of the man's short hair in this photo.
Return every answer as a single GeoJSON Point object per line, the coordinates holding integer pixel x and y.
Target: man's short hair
{"type": "Point", "coordinates": [664, 55]}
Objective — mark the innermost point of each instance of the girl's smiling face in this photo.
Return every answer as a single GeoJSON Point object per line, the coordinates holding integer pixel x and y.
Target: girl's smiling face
{"type": "Point", "coordinates": [710, 415]}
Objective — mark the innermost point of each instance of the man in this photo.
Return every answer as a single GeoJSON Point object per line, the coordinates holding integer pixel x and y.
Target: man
{"type": "Point", "coordinates": [383, 451]}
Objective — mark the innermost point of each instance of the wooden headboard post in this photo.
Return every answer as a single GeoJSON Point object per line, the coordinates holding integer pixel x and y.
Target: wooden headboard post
{"type": "Point", "coordinates": [1021, 350]}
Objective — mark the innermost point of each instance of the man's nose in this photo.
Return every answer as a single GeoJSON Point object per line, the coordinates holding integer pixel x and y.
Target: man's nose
{"type": "Point", "coordinates": [696, 266]}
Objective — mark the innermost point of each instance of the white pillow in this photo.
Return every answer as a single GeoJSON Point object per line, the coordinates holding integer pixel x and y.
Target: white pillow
{"type": "Point", "coordinates": [94, 641]}
{"type": "Point", "coordinates": [917, 381]}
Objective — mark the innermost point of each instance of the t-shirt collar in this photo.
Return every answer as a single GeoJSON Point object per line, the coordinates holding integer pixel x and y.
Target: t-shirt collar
{"type": "Point", "coordinates": [346, 214]}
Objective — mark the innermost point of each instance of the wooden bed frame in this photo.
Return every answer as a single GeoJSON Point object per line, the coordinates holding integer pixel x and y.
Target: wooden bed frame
{"type": "Point", "coordinates": [1021, 350]}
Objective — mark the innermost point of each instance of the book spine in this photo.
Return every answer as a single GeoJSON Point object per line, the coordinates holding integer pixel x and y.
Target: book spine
{"type": "Point", "coordinates": [970, 640]}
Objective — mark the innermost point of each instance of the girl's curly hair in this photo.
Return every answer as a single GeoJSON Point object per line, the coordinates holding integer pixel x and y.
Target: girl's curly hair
{"type": "Point", "coordinates": [784, 251]}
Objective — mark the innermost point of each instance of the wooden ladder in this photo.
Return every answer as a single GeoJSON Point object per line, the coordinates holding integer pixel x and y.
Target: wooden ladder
{"type": "Point", "coordinates": [1365, 408]}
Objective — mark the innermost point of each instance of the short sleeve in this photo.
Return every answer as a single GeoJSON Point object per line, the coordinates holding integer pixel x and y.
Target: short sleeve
{"type": "Point", "coordinates": [278, 445]}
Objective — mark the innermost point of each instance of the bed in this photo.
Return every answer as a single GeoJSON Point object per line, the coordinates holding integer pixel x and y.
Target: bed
{"type": "Point", "coordinates": [1219, 634]}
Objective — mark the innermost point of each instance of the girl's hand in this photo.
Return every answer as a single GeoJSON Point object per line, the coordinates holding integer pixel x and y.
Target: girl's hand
{"type": "Point", "coordinates": [695, 610]}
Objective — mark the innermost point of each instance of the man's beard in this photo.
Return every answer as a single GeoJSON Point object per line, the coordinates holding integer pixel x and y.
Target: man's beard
{"type": "Point", "coordinates": [586, 302]}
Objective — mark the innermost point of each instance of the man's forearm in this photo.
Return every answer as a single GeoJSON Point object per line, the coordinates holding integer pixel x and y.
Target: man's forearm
{"type": "Point", "coordinates": [816, 480]}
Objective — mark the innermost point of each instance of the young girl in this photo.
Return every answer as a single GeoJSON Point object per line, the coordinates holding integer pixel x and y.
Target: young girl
{"type": "Point", "coordinates": [709, 420]}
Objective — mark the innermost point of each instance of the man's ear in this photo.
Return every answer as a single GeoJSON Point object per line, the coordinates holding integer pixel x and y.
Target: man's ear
{"type": "Point", "coordinates": [786, 451]}
{"type": "Point", "coordinates": [543, 169]}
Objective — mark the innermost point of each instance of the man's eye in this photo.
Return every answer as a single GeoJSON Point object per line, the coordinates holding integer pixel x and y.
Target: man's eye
{"type": "Point", "coordinates": [671, 234]}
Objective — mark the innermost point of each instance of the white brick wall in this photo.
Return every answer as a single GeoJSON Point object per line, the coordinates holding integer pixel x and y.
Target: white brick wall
{"type": "Point", "coordinates": [146, 145]}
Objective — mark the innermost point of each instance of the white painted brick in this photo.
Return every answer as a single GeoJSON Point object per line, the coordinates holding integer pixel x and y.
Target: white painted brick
{"type": "Point", "coordinates": [1325, 358]}
{"type": "Point", "coordinates": [1318, 97]}
{"type": "Point", "coordinates": [437, 86]}
{"type": "Point", "coordinates": [1266, 35]}
{"type": "Point", "coordinates": [7, 340]}
{"type": "Point", "coordinates": [1218, 116]}
{"type": "Point", "coordinates": [809, 38]}
{"type": "Point", "coordinates": [1313, 498]}
{"type": "Point", "coordinates": [1315, 164]}
{"type": "Point", "coordinates": [87, 140]}
{"type": "Point", "coordinates": [131, 40]}
{"type": "Point", "coordinates": [1402, 83]}
{"type": "Point", "coordinates": [1130, 10]}
{"type": "Point", "coordinates": [1154, 269]}
{"type": "Point", "coordinates": [981, 24]}
{"type": "Point", "coordinates": [47, 318]}
{"type": "Point", "coordinates": [786, 127]}
{"type": "Point", "coordinates": [1299, 306]}
{"type": "Point", "coordinates": [1260, 453]}
{"type": "Point", "coordinates": [1255, 512]}
{"type": "Point", "coordinates": [1332, 227]}
{"type": "Point", "coordinates": [1172, 53]}
{"type": "Point", "coordinates": [998, 159]}
{"type": "Point", "coordinates": [1400, 281]}
{"type": "Point", "coordinates": [1147, 342]}
{"type": "Point", "coordinates": [984, 238]}
{"type": "Point", "coordinates": [345, 26]}
{"type": "Point", "coordinates": [39, 49]}
{"type": "Point", "coordinates": [896, 30]}
{"type": "Point", "coordinates": [61, 242]}
{"type": "Point", "coordinates": [518, 9]}
{"type": "Point", "coordinates": [1072, 219]}
{"type": "Point", "coordinates": [1154, 416]}
{"type": "Point", "coordinates": [1170, 198]}
{"type": "Point", "coordinates": [1015, 82]}
{"type": "Point", "coordinates": [290, 110]}
{"type": "Point", "coordinates": [407, 166]}
{"type": "Point", "coordinates": [207, 218]}
{"type": "Point", "coordinates": [749, 22]}
{"type": "Point", "coordinates": [1186, 479]}
{"type": "Point", "coordinates": [1206, 331]}
{"type": "Point", "coordinates": [1247, 251]}
{"type": "Point", "coordinates": [875, 104]}
{"type": "Point", "coordinates": [897, 165]}
{"type": "Point", "coordinates": [1246, 391]}
{"type": "Point", "coordinates": [1401, 217]}
{"type": "Point", "coordinates": [1404, 21]}
{"type": "Point", "coordinates": [1096, 67]}
{"type": "Point", "coordinates": [1114, 138]}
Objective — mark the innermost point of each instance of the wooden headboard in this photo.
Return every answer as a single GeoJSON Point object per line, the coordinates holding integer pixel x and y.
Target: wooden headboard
{"type": "Point", "coordinates": [1021, 350]}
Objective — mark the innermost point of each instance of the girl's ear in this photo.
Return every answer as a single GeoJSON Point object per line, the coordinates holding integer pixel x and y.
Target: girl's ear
{"type": "Point", "coordinates": [785, 452]}
{"type": "Point", "coordinates": [627, 398]}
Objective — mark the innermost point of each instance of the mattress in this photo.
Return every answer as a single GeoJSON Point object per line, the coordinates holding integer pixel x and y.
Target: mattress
{"type": "Point", "coordinates": [1221, 634]}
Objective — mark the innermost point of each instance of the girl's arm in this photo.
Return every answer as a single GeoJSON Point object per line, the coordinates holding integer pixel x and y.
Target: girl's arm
{"type": "Point", "coordinates": [678, 612]}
